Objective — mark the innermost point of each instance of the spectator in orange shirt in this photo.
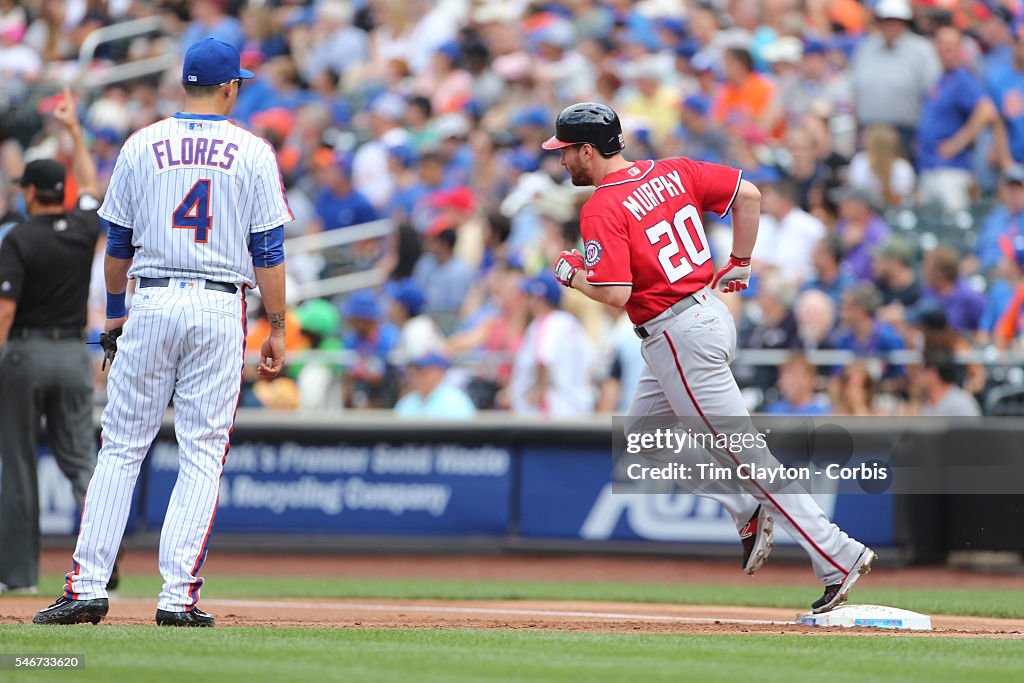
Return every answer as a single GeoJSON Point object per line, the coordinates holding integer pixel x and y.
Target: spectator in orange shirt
{"type": "Point", "coordinates": [745, 102]}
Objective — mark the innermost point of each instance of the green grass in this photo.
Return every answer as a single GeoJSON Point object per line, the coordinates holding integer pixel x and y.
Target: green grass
{"type": "Point", "coordinates": [287, 654]}
{"type": "Point", "coordinates": [967, 602]}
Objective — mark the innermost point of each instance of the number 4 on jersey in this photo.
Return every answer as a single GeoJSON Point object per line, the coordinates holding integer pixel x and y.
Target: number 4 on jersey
{"type": "Point", "coordinates": [194, 212]}
{"type": "Point", "coordinates": [695, 255]}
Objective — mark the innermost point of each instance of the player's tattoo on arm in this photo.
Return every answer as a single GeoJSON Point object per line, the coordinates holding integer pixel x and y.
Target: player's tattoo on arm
{"type": "Point", "coordinates": [276, 321]}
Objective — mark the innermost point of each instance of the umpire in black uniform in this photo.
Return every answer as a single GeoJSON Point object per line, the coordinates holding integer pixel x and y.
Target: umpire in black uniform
{"type": "Point", "coordinates": [45, 368]}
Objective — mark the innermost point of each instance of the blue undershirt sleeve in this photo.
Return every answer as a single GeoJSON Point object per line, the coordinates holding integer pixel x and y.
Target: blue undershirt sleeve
{"type": "Point", "coordinates": [119, 241]}
{"type": "Point", "coordinates": [267, 247]}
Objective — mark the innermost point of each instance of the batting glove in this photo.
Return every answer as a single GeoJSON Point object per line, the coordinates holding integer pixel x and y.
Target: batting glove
{"type": "Point", "coordinates": [569, 263]}
{"type": "Point", "coordinates": [108, 342]}
{"type": "Point", "coordinates": [734, 277]}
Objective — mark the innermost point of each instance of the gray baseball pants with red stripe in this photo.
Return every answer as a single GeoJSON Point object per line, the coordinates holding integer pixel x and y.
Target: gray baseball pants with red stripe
{"type": "Point", "coordinates": [688, 375]}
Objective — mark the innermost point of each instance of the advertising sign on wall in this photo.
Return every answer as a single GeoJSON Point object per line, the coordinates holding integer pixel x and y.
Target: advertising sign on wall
{"type": "Point", "coordinates": [384, 488]}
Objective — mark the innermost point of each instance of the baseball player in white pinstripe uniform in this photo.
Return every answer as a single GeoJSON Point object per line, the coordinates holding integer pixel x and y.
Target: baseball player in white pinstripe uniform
{"type": "Point", "coordinates": [196, 210]}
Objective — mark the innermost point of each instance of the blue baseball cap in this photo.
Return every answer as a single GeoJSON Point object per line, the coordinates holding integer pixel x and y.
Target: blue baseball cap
{"type": "Point", "coordinates": [537, 117]}
{"type": "Point", "coordinates": [451, 50]}
{"type": "Point", "coordinates": [212, 62]}
{"type": "Point", "coordinates": [675, 25]}
{"type": "Point", "coordinates": [687, 48]}
{"type": "Point", "coordinates": [409, 295]}
{"type": "Point", "coordinates": [431, 359]}
{"type": "Point", "coordinates": [108, 135]}
{"type": "Point", "coordinates": [815, 46]}
{"type": "Point", "coordinates": [544, 286]}
{"type": "Point", "coordinates": [362, 304]}
{"type": "Point", "coordinates": [699, 104]}
{"type": "Point", "coordinates": [406, 155]}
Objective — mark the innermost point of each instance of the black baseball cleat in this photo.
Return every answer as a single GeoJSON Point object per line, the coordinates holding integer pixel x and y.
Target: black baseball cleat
{"type": "Point", "coordinates": [66, 611]}
{"type": "Point", "coordinates": [758, 539]}
{"type": "Point", "coordinates": [193, 617]}
{"type": "Point", "coordinates": [836, 594]}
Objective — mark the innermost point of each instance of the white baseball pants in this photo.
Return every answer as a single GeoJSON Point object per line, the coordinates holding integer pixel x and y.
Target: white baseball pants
{"type": "Point", "coordinates": [185, 344]}
{"type": "Point", "coordinates": [688, 375]}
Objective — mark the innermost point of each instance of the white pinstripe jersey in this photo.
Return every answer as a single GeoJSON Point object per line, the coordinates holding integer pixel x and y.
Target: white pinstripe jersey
{"type": "Point", "coordinates": [192, 188]}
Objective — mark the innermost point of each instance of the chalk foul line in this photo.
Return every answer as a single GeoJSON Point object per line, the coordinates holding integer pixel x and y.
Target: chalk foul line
{"type": "Point", "coordinates": [448, 609]}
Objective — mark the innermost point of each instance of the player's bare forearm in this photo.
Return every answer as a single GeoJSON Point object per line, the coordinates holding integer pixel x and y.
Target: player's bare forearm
{"type": "Point", "coordinates": [746, 214]}
{"type": "Point", "coordinates": [272, 289]}
{"type": "Point", "coordinates": [8, 307]}
{"type": "Point", "coordinates": [115, 273]}
{"type": "Point", "coordinates": [613, 295]}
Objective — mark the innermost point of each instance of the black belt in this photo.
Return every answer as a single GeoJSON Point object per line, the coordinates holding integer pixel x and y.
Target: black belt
{"type": "Point", "coordinates": [210, 284]}
{"type": "Point", "coordinates": [676, 308]}
{"type": "Point", "coordinates": [56, 333]}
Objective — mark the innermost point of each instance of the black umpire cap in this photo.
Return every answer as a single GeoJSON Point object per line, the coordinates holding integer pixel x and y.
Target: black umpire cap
{"type": "Point", "coordinates": [588, 123]}
{"type": "Point", "coordinates": [43, 174]}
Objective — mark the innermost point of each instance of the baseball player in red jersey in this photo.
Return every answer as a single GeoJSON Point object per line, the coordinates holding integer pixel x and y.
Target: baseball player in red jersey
{"type": "Point", "coordinates": [645, 250]}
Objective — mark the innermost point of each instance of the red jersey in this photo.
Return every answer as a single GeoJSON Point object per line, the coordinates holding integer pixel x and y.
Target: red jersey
{"type": "Point", "coordinates": [642, 227]}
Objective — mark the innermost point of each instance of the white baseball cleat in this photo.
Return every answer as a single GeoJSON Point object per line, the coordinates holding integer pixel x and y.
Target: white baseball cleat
{"type": "Point", "coordinates": [836, 594]}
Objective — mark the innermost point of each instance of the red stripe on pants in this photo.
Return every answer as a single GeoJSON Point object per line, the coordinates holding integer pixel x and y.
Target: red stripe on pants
{"type": "Point", "coordinates": [732, 455]}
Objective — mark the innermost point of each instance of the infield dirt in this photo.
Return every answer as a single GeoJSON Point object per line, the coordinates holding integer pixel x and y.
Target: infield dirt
{"type": "Point", "coordinates": [618, 617]}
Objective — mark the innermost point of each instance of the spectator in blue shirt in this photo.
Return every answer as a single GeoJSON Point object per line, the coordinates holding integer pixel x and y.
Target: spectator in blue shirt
{"type": "Point", "coordinates": [996, 33]}
{"type": "Point", "coordinates": [333, 42]}
{"type": "Point", "coordinates": [894, 273]}
{"type": "Point", "coordinates": [403, 162]}
{"type": "Point", "coordinates": [368, 381]}
{"type": "Point", "coordinates": [411, 199]}
{"type": "Point", "coordinates": [530, 125]}
{"type": "Point", "coordinates": [1007, 219]}
{"type": "Point", "coordinates": [860, 332]}
{"type": "Point", "coordinates": [830, 274]}
{"type": "Point", "coordinates": [453, 129]}
{"type": "Point", "coordinates": [860, 228]}
{"type": "Point", "coordinates": [1004, 283]}
{"type": "Point", "coordinates": [701, 137]}
{"type": "Point", "coordinates": [796, 385]}
{"type": "Point", "coordinates": [444, 277]}
{"type": "Point", "coordinates": [430, 395]}
{"type": "Point", "coordinates": [955, 111]}
{"type": "Point", "coordinates": [943, 285]}
{"type": "Point", "coordinates": [209, 20]}
{"type": "Point", "coordinates": [1006, 86]}
{"type": "Point", "coordinates": [338, 204]}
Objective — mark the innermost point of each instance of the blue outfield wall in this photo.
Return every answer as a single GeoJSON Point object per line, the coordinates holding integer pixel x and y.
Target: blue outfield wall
{"type": "Point", "coordinates": [482, 481]}
{"type": "Point", "coordinates": [488, 479]}
{"type": "Point", "coordinates": [500, 483]}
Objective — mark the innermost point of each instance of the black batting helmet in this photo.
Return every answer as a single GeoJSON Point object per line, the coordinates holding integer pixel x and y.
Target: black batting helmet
{"type": "Point", "coordinates": [588, 123]}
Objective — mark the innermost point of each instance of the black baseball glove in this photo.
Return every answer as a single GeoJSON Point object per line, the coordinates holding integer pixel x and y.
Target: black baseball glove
{"type": "Point", "coordinates": [108, 342]}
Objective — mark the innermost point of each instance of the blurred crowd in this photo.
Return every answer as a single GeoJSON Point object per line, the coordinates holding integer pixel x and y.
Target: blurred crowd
{"type": "Point", "coordinates": [886, 136]}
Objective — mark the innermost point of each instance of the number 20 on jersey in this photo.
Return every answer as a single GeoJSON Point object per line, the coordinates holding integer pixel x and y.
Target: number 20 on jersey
{"type": "Point", "coordinates": [688, 230]}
